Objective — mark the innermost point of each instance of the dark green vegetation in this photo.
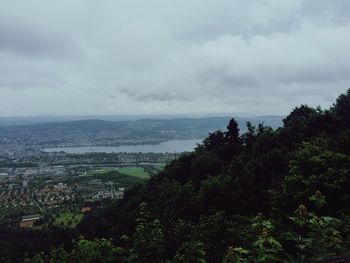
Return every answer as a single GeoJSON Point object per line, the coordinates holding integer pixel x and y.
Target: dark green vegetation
{"type": "Point", "coordinates": [261, 196]}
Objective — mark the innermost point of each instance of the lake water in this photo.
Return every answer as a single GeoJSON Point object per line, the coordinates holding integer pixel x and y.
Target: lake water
{"type": "Point", "coordinates": [164, 147]}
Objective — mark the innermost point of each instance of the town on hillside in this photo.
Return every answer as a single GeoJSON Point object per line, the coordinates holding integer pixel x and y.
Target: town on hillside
{"type": "Point", "coordinates": [37, 190]}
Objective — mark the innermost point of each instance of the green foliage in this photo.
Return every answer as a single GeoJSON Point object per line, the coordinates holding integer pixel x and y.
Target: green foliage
{"type": "Point", "coordinates": [341, 108]}
{"type": "Point", "coordinates": [216, 191]}
{"type": "Point", "coordinates": [213, 231]}
{"type": "Point", "coordinates": [265, 248]}
{"type": "Point", "coordinates": [318, 199]}
{"type": "Point", "coordinates": [84, 251]}
{"type": "Point", "coordinates": [214, 140]}
{"type": "Point", "coordinates": [313, 168]}
{"type": "Point", "coordinates": [236, 255]}
{"type": "Point", "coordinates": [148, 239]}
{"type": "Point", "coordinates": [315, 237]}
{"type": "Point", "coordinates": [190, 252]}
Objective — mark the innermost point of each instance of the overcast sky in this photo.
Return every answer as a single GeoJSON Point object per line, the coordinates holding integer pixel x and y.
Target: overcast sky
{"type": "Point", "coordinates": [72, 57]}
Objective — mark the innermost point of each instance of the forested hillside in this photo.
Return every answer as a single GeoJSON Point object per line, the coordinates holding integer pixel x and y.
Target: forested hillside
{"type": "Point", "coordinates": [260, 196]}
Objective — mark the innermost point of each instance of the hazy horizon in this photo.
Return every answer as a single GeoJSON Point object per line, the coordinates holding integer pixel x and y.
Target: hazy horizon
{"type": "Point", "coordinates": [174, 58]}
{"type": "Point", "coordinates": [24, 120]}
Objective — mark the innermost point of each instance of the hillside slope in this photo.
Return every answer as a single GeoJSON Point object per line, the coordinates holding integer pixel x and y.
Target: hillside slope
{"type": "Point", "coordinates": [264, 195]}
{"type": "Point", "coordinates": [268, 195]}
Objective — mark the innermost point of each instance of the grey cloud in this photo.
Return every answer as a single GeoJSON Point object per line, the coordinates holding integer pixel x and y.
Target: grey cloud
{"type": "Point", "coordinates": [336, 10]}
{"type": "Point", "coordinates": [19, 73]}
{"type": "Point", "coordinates": [266, 64]}
{"type": "Point", "coordinates": [35, 40]}
{"type": "Point", "coordinates": [263, 56]}
{"type": "Point", "coordinates": [23, 81]}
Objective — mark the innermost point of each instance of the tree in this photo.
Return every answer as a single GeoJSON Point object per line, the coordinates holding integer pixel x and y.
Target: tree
{"type": "Point", "coordinates": [300, 125]}
{"type": "Point", "coordinates": [341, 109]}
{"type": "Point", "coordinates": [315, 237]}
{"type": "Point", "coordinates": [190, 252]}
{"type": "Point", "coordinates": [214, 140]}
{"type": "Point", "coordinates": [314, 168]}
{"type": "Point", "coordinates": [84, 251]}
{"type": "Point", "coordinates": [148, 239]}
{"type": "Point", "coordinates": [232, 134]}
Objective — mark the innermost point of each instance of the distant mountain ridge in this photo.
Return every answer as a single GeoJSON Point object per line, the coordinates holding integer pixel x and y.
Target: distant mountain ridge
{"type": "Point", "coordinates": [27, 120]}
{"type": "Point", "coordinates": [97, 132]}
{"type": "Point", "coordinates": [205, 125]}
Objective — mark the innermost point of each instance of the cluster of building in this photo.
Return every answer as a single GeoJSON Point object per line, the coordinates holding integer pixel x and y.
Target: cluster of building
{"type": "Point", "coordinates": [95, 190]}
{"type": "Point", "coordinates": [30, 220]}
{"type": "Point", "coordinates": [54, 194]}
{"type": "Point", "coordinates": [50, 193]}
{"type": "Point", "coordinates": [17, 197]}
{"type": "Point", "coordinates": [48, 189]}
{"type": "Point", "coordinates": [52, 183]}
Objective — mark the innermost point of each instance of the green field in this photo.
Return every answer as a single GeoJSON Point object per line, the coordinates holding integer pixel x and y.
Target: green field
{"type": "Point", "coordinates": [159, 167]}
{"type": "Point", "coordinates": [139, 172]}
{"type": "Point", "coordinates": [136, 171]}
{"type": "Point", "coordinates": [67, 219]}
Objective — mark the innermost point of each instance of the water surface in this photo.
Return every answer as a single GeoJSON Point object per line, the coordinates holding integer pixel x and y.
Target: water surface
{"type": "Point", "coordinates": [164, 147]}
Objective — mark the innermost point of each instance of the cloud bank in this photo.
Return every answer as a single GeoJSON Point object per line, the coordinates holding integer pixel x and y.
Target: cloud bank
{"type": "Point", "coordinates": [172, 57]}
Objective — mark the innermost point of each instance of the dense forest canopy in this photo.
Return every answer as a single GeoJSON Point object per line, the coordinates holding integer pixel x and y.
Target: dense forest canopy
{"type": "Point", "coordinates": [260, 196]}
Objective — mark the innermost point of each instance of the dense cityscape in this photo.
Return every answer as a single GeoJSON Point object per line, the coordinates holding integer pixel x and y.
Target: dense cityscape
{"type": "Point", "coordinates": [39, 177]}
{"type": "Point", "coordinates": [35, 185]}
